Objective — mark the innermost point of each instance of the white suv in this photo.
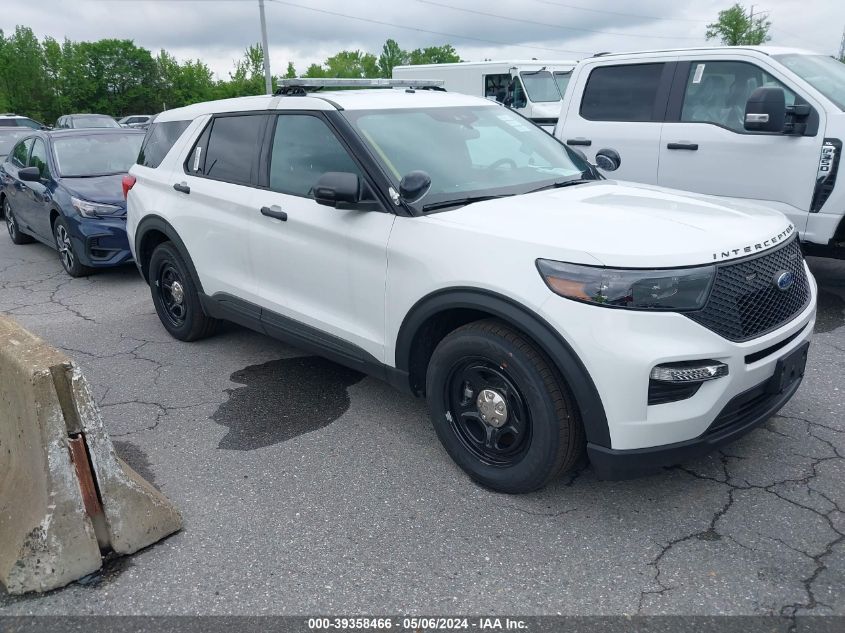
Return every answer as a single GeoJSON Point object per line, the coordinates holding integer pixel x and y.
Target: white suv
{"type": "Point", "coordinates": [449, 246]}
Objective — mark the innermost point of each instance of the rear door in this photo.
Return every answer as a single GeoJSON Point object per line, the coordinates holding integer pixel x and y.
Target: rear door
{"type": "Point", "coordinates": [705, 147]}
{"type": "Point", "coordinates": [14, 188]}
{"type": "Point", "coordinates": [321, 267]}
{"type": "Point", "coordinates": [620, 106]}
{"type": "Point", "coordinates": [216, 205]}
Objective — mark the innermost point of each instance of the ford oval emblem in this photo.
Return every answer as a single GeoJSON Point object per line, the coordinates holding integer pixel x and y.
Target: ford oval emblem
{"type": "Point", "coordinates": [784, 280]}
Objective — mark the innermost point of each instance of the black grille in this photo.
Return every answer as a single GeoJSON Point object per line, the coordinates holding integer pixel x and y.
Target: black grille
{"type": "Point", "coordinates": [745, 302]}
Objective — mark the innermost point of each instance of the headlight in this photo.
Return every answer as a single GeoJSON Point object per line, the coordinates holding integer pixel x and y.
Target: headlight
{"type": "Point", "coordinates": [638, 289]}
{"type": "Point", "coordinates": [95, 209]}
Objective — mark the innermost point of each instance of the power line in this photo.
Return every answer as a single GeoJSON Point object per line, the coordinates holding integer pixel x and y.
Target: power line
{"type": "Point", "coordinates": [624, 15]}
{"type": "Point", "coordinates": [557, 26]}
{"type": "Point", "coordinates": [420, 30]}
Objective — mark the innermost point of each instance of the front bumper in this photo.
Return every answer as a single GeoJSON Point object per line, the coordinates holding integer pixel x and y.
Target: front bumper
{"type": "Point", "coordinates": [620, 347]}
{"type": "Point", "coordinates": [620, 464]}
{"type": "Point", "coordinates": [101, 242]}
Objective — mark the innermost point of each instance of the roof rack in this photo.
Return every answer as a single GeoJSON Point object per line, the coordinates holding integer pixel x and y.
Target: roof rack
{"type": "Point", "coordinates": [304, 85]}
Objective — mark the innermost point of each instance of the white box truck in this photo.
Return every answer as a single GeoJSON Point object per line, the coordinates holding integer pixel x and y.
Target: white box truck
{"type": "Point", "coordinates": [533, 88]}
{"type": "Point", "coordinates": [758, 123]}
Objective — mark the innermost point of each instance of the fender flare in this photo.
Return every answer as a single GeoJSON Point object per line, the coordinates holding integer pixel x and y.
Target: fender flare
{"type": "Point", "coordinates": [538, 329]}
{"type": "Point", "coordinates": [157, 223]}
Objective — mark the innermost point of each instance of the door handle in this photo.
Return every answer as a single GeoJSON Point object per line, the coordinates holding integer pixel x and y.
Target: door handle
{"type": "Point", "coordinates": [579, 141]}
{"type": "Point", "coordinates": [182, 186]}
{"type": "Point", "coordinates": [690, 146]}
{"type": "Point", "coordinates": [274, 212]}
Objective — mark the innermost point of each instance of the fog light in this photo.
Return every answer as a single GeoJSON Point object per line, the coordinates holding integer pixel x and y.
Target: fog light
{"type": "Point", "coordinates": [689, 371]}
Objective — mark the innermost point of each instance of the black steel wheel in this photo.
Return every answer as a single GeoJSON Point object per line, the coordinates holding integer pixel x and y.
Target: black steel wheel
{"type": "Point", "coordinates": [171, 289]}
{"type": "Point", "coordinates": [501, 409]}
{"type": "Point", "coordinates": [488, 413]}
{"type": "Point", "coordinates": [175, 295]}
{"type": "Point", "coordinates": [12, 225]}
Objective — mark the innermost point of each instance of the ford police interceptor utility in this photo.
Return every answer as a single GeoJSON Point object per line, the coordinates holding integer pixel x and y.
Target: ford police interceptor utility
{"type": "Point", "coordinates": [449, 246]}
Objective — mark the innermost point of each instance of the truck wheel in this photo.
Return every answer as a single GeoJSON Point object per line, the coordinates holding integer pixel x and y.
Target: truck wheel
{"type": "Point", "coordinates": [175, 296]}
{"type": "Point", "coordinates": [501, 409]}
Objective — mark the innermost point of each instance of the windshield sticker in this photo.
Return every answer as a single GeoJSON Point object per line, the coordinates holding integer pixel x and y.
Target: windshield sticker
{"type": "Point", "coordinates": [699, 71]}
{"type": "Point", "coordinates": [513, 122]}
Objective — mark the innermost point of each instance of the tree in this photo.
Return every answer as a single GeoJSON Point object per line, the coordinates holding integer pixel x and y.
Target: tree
{"type": "Point", "coordinates": [391, 56]}
{"type": "Point", "coordinates": [735, 27]}
{"type": "Point", "coordinates": [290, 73]}
{"type": "Point", "coordinates": [445, 54]}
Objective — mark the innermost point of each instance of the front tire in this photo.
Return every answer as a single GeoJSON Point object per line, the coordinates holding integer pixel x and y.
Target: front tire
{"type": "Point", "coordinates": [501, 409]}
{"type": "Point", "coordinates": [12, 225]}
{"type": "Point", "coordinates": [175, 296]}
{"type": "Point", "coordinates": [67, 255]}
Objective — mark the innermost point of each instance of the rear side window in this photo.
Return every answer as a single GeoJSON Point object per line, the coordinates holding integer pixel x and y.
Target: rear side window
{"type": "Point", "coordinates": [621, 93]}
{"type": "Point", "coordinates": [232, 150]}
{"type": "Point", "coordinates": [158, 141]}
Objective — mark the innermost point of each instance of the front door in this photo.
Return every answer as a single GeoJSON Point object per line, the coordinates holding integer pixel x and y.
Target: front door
{"type": "Point", "coordinates": [705, 147]}
{"type": "Point", "coordinates": [320, 267]}
{"type": "Point", "coordinates": [37, 198]}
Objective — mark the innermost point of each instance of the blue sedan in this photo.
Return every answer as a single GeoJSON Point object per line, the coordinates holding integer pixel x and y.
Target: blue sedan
{"type": "Point", "coordinates": [64, 188]}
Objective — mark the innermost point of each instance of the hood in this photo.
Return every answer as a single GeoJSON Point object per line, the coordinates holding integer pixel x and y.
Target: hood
{"type": "Point", "coordinates": [545, 110]}
{"type": "Point", "coordinates": [105, 189]}
{"type": "Point", "coordinates": [627, 225]}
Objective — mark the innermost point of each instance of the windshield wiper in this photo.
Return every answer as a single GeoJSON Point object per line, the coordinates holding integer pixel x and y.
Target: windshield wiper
{"type": "Point", "coordinates": [562, 183]}
{"type": "Point", "coordinates": [460, 202]}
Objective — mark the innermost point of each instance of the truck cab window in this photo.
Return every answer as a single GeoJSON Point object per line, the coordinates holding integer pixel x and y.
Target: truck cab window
{"type": "Point", "coordinates": [496, 86]}
{"type": "Point", "coordinates": [716, 92]}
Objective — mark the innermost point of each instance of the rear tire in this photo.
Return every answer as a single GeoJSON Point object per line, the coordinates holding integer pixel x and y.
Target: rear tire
{"type": "Point", "coordinates": [12, 225]}
{"type": "Point", "coordinates": [175, 296]}
{"type": "Point", "coordinates": [501, 409]}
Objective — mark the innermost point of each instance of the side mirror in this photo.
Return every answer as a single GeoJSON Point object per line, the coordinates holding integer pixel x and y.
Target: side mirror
{"type": "Point", "coordinates": [338, 189]}
{"type": "Point", "coordinates": [608, 159]}
{"type": "Point", "coordinates": [29, 174]}
{"type": "Point", "coordinates": [414, 185]}
{"type": "Point", "coordinates": [765, 110]}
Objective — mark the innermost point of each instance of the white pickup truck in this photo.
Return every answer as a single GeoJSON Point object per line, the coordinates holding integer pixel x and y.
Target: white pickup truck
{"type": "Point", "coordinates": [747, 123]}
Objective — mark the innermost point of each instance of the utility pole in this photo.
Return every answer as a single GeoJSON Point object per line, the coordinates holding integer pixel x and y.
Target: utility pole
{"type": "Point", "coordinates": [268, 78]}
{"type": "Point", "coordinates": [842, 47]}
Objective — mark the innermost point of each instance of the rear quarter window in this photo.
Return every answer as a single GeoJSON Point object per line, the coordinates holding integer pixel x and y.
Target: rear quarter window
{"type": "Point", "coordinates": [159, 140]}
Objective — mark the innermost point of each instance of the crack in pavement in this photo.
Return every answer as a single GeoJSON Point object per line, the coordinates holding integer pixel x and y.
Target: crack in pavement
{"type": "Point", "coordinates": [711, 532]}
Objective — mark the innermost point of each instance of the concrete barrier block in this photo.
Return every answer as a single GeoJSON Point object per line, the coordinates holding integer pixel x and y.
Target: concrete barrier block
{"type": "Point", "coordinates": [56, 515]}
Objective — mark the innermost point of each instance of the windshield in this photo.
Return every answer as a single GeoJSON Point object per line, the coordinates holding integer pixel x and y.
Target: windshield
{"type": "Point", "coordinates": [469, 151]}
{"type": "Point", "coordinates": [96, 155]}
{"type": "Point", "coordinates": [540, 86]}
{"type": "Point", "coordinates": [562, 80]}
{"type": "Point", "coordinates": [825, 74]}
{"type": "Point", "coordinates": [94, 121]}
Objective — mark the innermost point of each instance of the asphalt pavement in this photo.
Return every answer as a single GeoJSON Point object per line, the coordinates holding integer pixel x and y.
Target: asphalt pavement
{"type": "Point", "coordinates": [307, 488]}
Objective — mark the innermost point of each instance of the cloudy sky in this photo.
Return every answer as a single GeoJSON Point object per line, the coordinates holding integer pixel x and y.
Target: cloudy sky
{"type": "Point", "coordinates": [306, 31]}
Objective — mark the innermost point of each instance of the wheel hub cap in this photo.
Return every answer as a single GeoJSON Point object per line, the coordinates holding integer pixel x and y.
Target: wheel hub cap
{"type": "Point", "coordinates": [492, 408]}
{"type": "Point", "coordinates": [177, 292]}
